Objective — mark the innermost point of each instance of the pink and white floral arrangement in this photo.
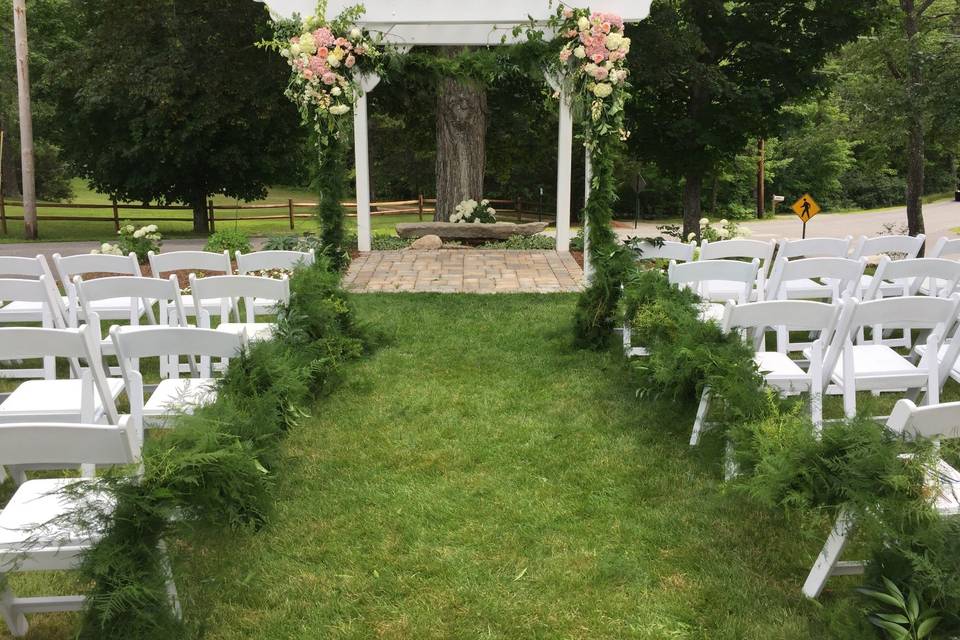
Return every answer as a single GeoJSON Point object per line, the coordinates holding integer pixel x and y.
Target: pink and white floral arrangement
{"type": "Point", "coordinates": [594, 58]}
{"type": "Point", "coordinates": [324, 58]}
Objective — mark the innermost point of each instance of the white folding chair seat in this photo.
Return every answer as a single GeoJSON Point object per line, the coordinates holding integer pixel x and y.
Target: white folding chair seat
{"type": "Point", "coordinates": [89, 399]}
{"type": "Point", "coordinates": [779, 370]}
{"type": "Point", "coordinates": [936, 422]}
{"type": "Point", "coordinates": [39, 530]}
{"type": "Point", "coordinates": [878, 367]}
{"type": "Point", "coordinates": [173, 394]}
{"type": "Point", "coordinates": [228, 289]}
{"type": "Point", "coordinates": [268, 260]}
{"type": "Point", "coordinates": [738, 249]}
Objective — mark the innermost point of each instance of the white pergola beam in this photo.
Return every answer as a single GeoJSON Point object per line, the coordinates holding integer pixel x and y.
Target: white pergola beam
{"type": "Point", "coordinates": [361, 154]}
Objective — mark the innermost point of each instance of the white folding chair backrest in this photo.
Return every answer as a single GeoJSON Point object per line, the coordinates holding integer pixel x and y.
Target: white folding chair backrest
{"type": "Point", "coordinates": [147, 289]}
{"type": "Point", "coordinates": [740, 248]}
{"type": "Point", "coordinates": [913, 272]}
{"type": "Point", "coordinates": [934, 422]}
{"type": "Point", "coordinates": [263, 260]}
{"type": "Point", "coordinates": [843, 274]}
{"type": "Point", "coordinates": [32, 269]}
{"type": "Point", "coordinates": [158, 342]}
{"type": "Point", "coordinates": [906, 246]}
{"type": "Point", "coordinates": [945, 247]}
{"type": "Point", "coordinates": [41, 443]}
{"type": "Point", "coordinates": [792, 315]}
{"type": "Point", "coordinates": [913, 312]}
{"type": "Point", "coordinates": [80, 265]}
{"type": "Point", "coordinates": [697, 275]}
{"type": "Point", "coordinates": [229, 288]}
{"type": "Point", "coordinates": [73, 344]}
{"type": "Point", "coordinates": [814, 248]}
{"type": "Point", "coordinates": [195, 261]}
{"type": "Point", "coordinates": [678, 251]}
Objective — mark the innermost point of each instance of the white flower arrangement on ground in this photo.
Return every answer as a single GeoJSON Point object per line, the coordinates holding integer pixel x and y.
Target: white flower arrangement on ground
{"type": "Point", "coordinates": [725, 230]}
{"type": "Point", "coordinates": [473, 212]}
{"type": "Point", "coordinates": [138, 240]}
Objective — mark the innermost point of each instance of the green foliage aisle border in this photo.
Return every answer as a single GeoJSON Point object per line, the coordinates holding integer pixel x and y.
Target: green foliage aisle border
{"type": "Point", "coordinates": [856, 465]}
{"type": "Point", "coordinates": [326, 59]}
{"type": "Point", "coordinates": [213, 469]}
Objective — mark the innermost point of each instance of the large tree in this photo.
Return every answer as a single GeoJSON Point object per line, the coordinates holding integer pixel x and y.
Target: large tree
{"type": "Point", "coordinates": [171, 100]}
{"type": "Point", "coordinates": [712, 74]}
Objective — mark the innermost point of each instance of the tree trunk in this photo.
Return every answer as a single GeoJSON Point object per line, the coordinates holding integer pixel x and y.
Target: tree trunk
{"type": "Point", "coordinates": [201, 219]}
{"type": "Point", "coordinates": [26, 121]}
{"type": "Point", "coordinates": [692, 212]}
{"type": "Point", "coordinates": [916, 149]}
{"type": "Point", "coordinates": [761, 178]}
{"type": "Point", "coordinates": [461, 144]}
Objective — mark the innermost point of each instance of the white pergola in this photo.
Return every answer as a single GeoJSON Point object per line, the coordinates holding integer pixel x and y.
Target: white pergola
{"type": "Point", "coordinates": [408, 23]}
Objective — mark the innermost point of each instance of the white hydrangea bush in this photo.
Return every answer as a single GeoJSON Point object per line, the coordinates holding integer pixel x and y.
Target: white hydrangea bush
{"type": "Point", "coordinates": [132, 239]}
{"type": "Point", "coordinates": [472, 212]}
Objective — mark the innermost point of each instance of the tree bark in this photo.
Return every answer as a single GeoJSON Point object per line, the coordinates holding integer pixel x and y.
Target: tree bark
{"type": "Point", "coordinates": [26, 121]}
{"type": "Point", "coordinates": [461, 144]}
{"type": "Point", "coordinates": [916, 149]}
{"type": "Point", "coordinates": [201, 219]}
{"type": "Point", "coordinates": [692, 211]}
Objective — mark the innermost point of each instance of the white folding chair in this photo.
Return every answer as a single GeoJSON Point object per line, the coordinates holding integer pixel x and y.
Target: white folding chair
{"type": "Point", "coordinates": [877, 367]}
{"type": "Point", "coordinates": [644, 251]}
{"type": "Point", "coordinates": [788, 250]}
{"type": "Point", "coordinates": [36, 302]}
{"type": "Point", "coordinates": [936, 422]}
{"type": "Point", "coordinates": [892, 248]}
{"type": "Point", "coordinates": [700, 276]}
{"type": "Point", "coordinates": [20, 268]}
{"type": "Point", "coordinates": [174, 394]}
{"type": "Point", "coordinates": [195, 262]}
{"type": "Point", "coordinates": [779, 370]}
{"type": "Point", "coordinates": [228, 290]}
{"type": "Point", "coordinates": [165, 292]}
{"type": "Point", "coordinates": [256, 261]}
{"type": "Point", "coordinates": [738, 248]}
{"type": "Point", "coordinates": [946, 248]}
{"type": "Point", "coordinates": [91, 398]}
{"type": "Point", "coordinates": [39, 527]}
{"type": "Point", "coordinates": [69, 267]}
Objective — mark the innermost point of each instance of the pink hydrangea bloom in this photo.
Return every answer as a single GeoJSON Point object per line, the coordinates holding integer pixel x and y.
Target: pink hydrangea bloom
{"type": "Point", "coordinates": [324, 37]}
{"type": "Point", "coordinates": [613, 19]}
{"type": "Point", "coordinates": [329, 78]}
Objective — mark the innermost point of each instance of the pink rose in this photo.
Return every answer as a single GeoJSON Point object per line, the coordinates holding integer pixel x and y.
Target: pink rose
{"type": "Point", "coordinates": [615, 56]}
{"type": "Point", "coordinates": [605, 27]}
{"type": "Point", "coordinates": [329, 78]}
{"type": "Point", "coordinates": [323, 52]}
{"type": "Point", "coordinates": [601, 73]}
{"type": "Point", "coordinates": [350, 61]}
{"type": "Point", "coordinates": [597, 58]}
{"type": "Point", "coordinates": [360, 51]}
{"type": "Point", "coordinates": [568, 13]}
{"type": "Point", "coordinates": [307, 73]}
{"type": "Point", "coordinates": [565, 55]}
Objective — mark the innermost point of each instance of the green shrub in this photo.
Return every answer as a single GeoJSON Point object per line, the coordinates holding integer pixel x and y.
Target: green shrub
{"type": "Point", "coordinates": [526, 243]}
{"type": "Point", "coordinates": [231, 240]}
{"type": "Point", "coordinates": [390, 243]}
{"type": "Point", "coordinates": [306, 242]}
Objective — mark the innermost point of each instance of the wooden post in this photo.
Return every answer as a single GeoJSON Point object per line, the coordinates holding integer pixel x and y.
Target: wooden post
{"type": "Point", "coordinates": [420, 207]}
{"type": "Point", "coordinates": [211, 216]}
{"type": "Point", "coordinates": [116, 215]}
{"type": "Point", "coordinates": [3, 213]}
{"type": "Point", "coordinates": [519, 205]}
{"type": "Point", "coordinates": [26, 120]}
{"type": "Point", "coordinates": [761, 177]}
{"type": "Point", "coordinates": [290, 209]}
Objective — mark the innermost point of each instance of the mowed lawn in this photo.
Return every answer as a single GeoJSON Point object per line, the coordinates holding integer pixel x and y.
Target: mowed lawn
{"type": "Point", "coordinates": [479, 478]}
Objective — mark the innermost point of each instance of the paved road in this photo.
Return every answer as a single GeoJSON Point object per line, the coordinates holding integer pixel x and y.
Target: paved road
{"type": "Point", "coordinates": [939, 218]}
{"type": "Point", "coordinates": [31, 249]}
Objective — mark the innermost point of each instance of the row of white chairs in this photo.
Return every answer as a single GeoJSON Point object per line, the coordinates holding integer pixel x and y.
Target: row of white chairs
{"type": "Point", "coordinates": [60, 424]}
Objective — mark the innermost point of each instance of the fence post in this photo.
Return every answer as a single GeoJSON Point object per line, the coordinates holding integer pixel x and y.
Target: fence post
{"type": "Point", "coordinates": [420, 207]}
{"type": "Point", "coordinates": [290, 210]}
{"type": "Point", "coordinates": [3, 214]}
{"type": "Point", "coordinates": [211, 216]}
{"type": "Point", "coordinates": [116, 215]}
{"type": "Point", "coordinates": [519, 205]}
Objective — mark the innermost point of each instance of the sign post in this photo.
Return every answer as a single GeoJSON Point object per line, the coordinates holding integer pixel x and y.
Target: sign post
{"type": "Point", "coordinates": [805, 208]}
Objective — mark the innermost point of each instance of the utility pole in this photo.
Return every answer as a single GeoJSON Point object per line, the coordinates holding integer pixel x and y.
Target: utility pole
{"type": "Point", "coordinates": [761, 177]}
{"type": "Point", "coordinates": [26, 120]}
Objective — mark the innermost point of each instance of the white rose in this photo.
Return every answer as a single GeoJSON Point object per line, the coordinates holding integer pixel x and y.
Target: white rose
{"type": "Point", "coordinates": [295, 50]}
{"type": "Point", "coordinates": [339, 109]}
{"type": "Point", "coordinates": [603, 89]}
{"type": "Point", "coordinates": [583, 23]}
{"type": "Point", "coordinates": [336, 91]}
{"type": "Point", "coordinates": [355, 33]}
{"type": "Point", "coordinates": [333, 62]}
{"type": "Point", "coordinates": [307, 44]}
{"type": "Point", "coordinates": [614, 41]}
{"type": "Point", "coordinates": [580, 52]}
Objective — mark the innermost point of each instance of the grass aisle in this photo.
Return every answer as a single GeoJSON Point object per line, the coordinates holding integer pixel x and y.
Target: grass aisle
{"type": "Point", "coordinates": [478, 478]}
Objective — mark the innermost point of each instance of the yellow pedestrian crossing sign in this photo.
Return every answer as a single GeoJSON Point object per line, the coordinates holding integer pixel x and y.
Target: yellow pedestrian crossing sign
{"type": "Point", "coordinates": [806, 207]}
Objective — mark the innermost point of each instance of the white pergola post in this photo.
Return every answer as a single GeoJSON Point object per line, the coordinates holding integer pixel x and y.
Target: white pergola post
{"type": "Point", "coordinates": [587, 179]}
{"type": "Point", "coordinates": [361, 151]}
{"type": "Point", "coordinates": [564, 163]}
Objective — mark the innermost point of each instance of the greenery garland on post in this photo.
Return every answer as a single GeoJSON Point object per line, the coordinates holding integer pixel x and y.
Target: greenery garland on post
{"type": "Point", "coordinates": [592, 63]}
{"type": "Point", "coordinates": [326, 58]}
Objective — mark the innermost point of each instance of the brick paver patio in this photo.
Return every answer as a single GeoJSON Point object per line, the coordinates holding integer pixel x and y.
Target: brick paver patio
{"type": "Point", "coordinates": [465, 271]}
